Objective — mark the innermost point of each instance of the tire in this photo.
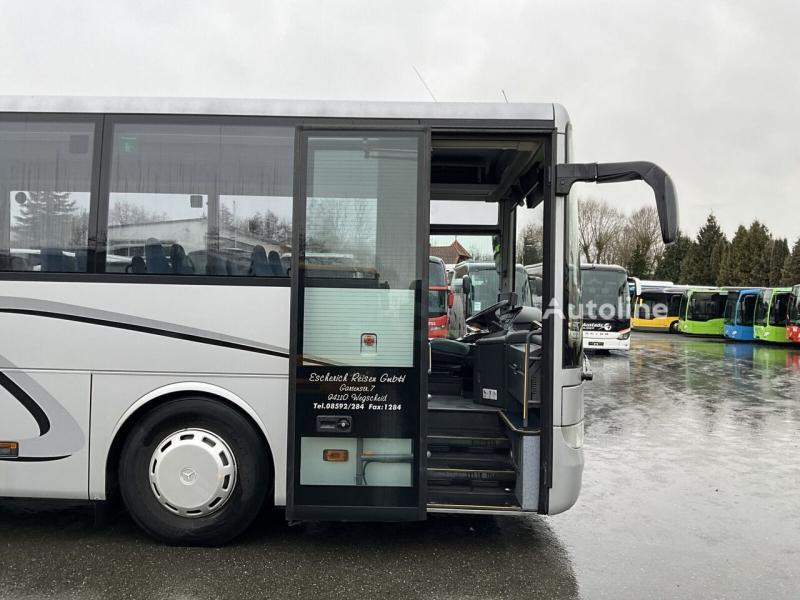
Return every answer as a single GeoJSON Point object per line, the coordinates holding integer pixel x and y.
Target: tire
{"type": "Point", "coordinates": [245, 497]}
{"type": "Point", "coordinates": [673, 327]}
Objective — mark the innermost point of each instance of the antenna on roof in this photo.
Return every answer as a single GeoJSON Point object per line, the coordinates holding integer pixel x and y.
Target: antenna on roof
{"type": "Point", "coordinates": [504, 95]}
{"type": "Point", "coordinates": [423, 83]}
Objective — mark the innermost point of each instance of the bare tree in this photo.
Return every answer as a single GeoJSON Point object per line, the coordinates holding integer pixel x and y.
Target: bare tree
{"type": "Point", "coordinates": [599, 224]}
{"type": "Point", "coordinates": [639, 241]}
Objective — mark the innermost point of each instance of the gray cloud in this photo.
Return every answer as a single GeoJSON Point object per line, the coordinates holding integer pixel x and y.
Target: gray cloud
{"type": "Point", "coordinates": [707, 89]}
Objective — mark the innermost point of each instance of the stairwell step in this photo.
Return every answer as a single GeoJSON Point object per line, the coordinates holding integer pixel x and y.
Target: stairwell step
{"type": "Point", "coordinates": [450, 474]}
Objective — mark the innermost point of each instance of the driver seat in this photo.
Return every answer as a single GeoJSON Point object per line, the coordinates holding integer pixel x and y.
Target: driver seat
{"type": "Point", "coordinates": [450, 355]}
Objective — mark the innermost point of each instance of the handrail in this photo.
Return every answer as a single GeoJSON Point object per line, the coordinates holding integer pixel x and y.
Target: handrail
{"type": "Point", "coordinates": [525, 383]}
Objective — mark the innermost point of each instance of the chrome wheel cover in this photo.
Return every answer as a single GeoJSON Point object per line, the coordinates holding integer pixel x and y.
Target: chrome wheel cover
{"type": "Point", "coordinates": [192, 473]}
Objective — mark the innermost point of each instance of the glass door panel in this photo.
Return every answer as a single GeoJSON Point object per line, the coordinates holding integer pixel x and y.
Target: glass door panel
{"type": "Point", "coordinates": [359, 327]}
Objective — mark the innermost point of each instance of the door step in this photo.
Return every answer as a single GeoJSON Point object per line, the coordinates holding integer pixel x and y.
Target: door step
{"type": "Point", "coordinates": [478, 440]}
{"type": "Point", "coordinates": [465, 496]}
{"type": "Point", "coordinates": [471, 475]}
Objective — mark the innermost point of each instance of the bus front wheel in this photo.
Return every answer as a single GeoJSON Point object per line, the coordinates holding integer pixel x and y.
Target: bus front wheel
{"type": "Point", "coordinates": [673, 327]}
{"type": "Point", "coordinates": [193, 472]}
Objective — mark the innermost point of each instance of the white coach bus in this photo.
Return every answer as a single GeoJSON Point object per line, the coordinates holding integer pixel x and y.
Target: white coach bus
{"type": "Point", "coordinates": [173, 335]}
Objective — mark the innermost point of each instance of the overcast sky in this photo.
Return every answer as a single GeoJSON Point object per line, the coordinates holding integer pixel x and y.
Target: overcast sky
{"type": "Point", "coordinates": [709, 90]}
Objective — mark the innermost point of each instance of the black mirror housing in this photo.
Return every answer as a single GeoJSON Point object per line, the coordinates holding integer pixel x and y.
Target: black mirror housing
{"type": "Point", "coordinates": [653, 175]}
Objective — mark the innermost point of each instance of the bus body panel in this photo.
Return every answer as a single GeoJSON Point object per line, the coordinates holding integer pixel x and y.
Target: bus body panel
{"type": "Point", "coordinates": [57, 460]}
{"type": "Point", "coordinates": [739, 314]}
{"type": "Point", "coordinates": [793, 320]}
{"type": "Point", "coordinates": [656, 308]}
{"type": "Point", "coordinates": [702, 312]}
{"type": "Point", "coordinates": [712, 327]}
{"type": "Point", "coordinates": [79, 372]}
{"type": "Point", "coordinates": [655, 324]}
{"type": "Point", "coordinates": [606, 340]}
{"type": "Point", "coordinates": [771, 315]}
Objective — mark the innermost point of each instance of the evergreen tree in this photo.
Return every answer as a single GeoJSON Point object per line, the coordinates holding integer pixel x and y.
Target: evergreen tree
{"type": "Point", "coordinates": [716, 258]}
{"type": "Point", "coordinates": [531, 243]}
{"type": "Point", "coordinates": [778, 254]}
{"type": "Point", "coordinates": [669, 267]}
{"type": "Point", "coordinates": [45, 220]}
{"type": "Point", "coordinates": [738, 262]}
{"type": "Point", "coordinates": [725, 274]}
{"type": "Point", "coordinates": [697, 267]}
{"type": "Point", "coordinates": [638, 264]}
{"type": "Point", "coordinates": [791, 266]}
{"type": "Point", "coordinates": [758, 248]}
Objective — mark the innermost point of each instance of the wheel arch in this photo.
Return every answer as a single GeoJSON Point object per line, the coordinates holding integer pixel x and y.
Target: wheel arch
{"type": "Point", "coordinates": [172, 391]}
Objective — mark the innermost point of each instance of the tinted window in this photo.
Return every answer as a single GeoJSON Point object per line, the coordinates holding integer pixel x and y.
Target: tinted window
{"type": "Point", "coordinates": [794, 307]}
{"type": "Point", "coordinates": [436, 273]}
{"type": "Point", "coordinates": [574, 286]}
{"type": "Point", "coordinates": [200, 199]}
{"type": "Point", "coordinates": [605, 294]}
{"type": "Point", "coordinates": [747, 309]}
{"type": "Point", "coordinates": [705, 306]}
{"type": "Point", "coordinates": [45, 188]}
{"type": "Point", "coordinates": [779, 310]}
{"type": "Point", "coordinates": [762, 308]}
{"type": "Point", "coordinates": [730, 307]}
{"type": "Point", "coordinates": [653, 305]}
{"type": "Point", "coordinates": [675, 301]}
{"type": "Point", "coordinates": [683, 305]}
{"type": "Point", "coordinates": [485, 288]}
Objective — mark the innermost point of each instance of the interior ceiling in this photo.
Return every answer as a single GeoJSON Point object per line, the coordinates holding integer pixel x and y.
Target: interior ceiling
{"type": "Point", "coordinates": [485, 170]}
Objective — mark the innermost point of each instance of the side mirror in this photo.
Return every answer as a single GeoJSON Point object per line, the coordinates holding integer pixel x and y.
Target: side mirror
{"type": "Point", "coordinates": [466, 284]}
{"type": "Point", "coordinates": [450, 298]}
{"type": "Point", "coordinates": [651, 174]}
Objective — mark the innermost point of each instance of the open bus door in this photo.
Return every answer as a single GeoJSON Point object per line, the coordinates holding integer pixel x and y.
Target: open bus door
{"type": "Point", "coordinates": [359, 333]}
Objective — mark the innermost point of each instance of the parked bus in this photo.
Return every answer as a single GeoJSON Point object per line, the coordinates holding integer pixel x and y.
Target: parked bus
{"type": "Point", "coordinates": [793, 316]}
{"type": "Point", "coordinates": [440, 299]}
{"type": "Point", "coordinates": [740, 308]}
{"type": "Point", "coordinates": [657, 308]}
{"type": "Point", "coordinates": [200, 394]}
{"type": "Point", "coordinates": [702, 311]}
{"type": "Point", "coordinates": [606, 307]}
{"type": "Point", "coordinates": [476, 286]}
{"type": "Point", "coordinates": [771, 314]}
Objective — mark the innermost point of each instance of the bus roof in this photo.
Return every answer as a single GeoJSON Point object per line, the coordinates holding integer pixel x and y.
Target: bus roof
{"type": "Point", "coordinates": [599, 267]}
{"type": "Point", "coordinates": [348, 109]}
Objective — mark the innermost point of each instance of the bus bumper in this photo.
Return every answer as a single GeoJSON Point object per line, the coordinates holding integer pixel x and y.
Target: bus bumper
{"type": "Point", "coordinates": [605, 343]}
{"type": "Point", "coordinates": [567, 467]}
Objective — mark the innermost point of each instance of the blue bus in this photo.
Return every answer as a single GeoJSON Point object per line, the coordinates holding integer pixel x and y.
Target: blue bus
{"type": "Point", "coordinates": [740, 312]}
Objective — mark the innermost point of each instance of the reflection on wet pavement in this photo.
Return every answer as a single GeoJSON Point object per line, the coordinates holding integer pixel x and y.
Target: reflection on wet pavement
{"type": "Point", "coordinates": [691, 490]}
{"type": "Point", "coordinates": [692, 480]}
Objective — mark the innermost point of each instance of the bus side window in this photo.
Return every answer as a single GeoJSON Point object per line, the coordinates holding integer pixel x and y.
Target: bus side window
{"type": "Point", "coordinates": [45, 189]}
{"type": "Point", "coordinates": [200, 199]}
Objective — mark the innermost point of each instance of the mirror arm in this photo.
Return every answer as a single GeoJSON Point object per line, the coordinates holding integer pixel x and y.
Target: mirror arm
{"type": "Point", "coordinates": [567, 175]}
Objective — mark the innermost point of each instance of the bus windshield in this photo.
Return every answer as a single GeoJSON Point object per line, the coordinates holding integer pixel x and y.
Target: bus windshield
{"type": "Point", "coordinates": [793, 312]}
{"type": "Point", "coordinates": [683, 305]}
{"type": "Point", "coordinates": [706, 306]}
{"type": "Point", "coordinates": [730, 308]}
{"type": "Point", "coordinates": [762, 308]}
{"type": "Point", "coordinates": [780, 307]}
{"type": "Point", "coordinates": [747, 309]}
{"type": "Point", "coordinates": [605, 294]}
{"type": "Point", "coordinates": [437, 289]}
{"type": "Point", "coordinates": [485, 286]}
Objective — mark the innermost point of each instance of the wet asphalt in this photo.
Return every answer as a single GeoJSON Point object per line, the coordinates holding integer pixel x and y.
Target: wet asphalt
{"type": "Point", "coordinates": [691, 490]}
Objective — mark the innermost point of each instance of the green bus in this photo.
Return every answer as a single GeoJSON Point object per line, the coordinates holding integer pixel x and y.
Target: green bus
{"type": "Point", "coordinates": [772, 308]}
{"type": "Point", "coordinates": [702, 311]}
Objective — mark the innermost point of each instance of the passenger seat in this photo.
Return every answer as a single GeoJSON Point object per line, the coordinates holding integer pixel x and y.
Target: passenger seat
{"type": "Point", "coordinates": [157, 263]}
{"type": "Point", "coordinates": [275, 263]}
{"type": "Point", "coordinates": [259, 263]}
